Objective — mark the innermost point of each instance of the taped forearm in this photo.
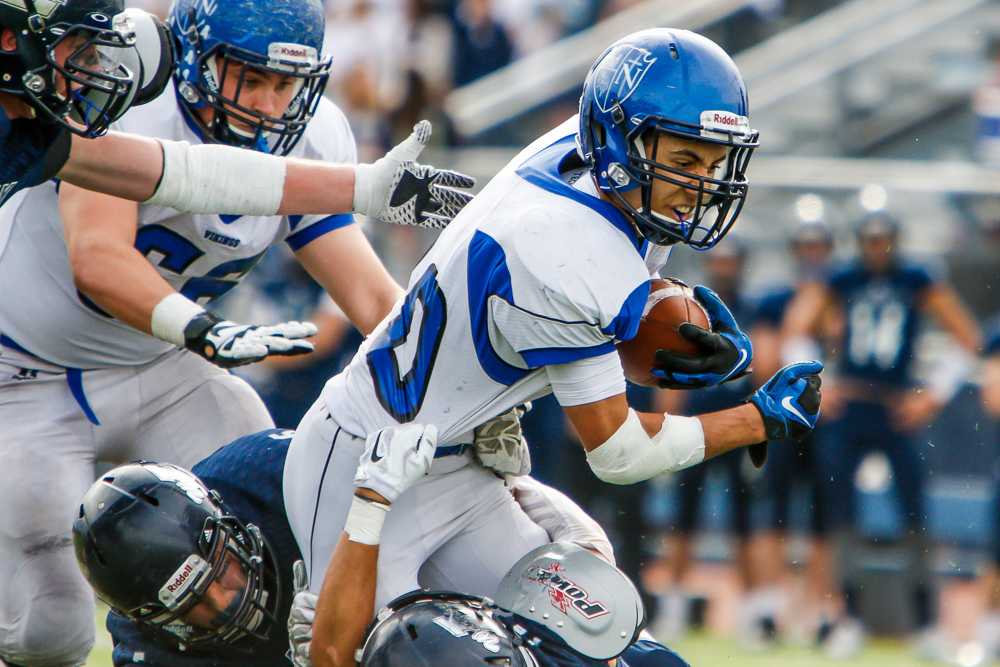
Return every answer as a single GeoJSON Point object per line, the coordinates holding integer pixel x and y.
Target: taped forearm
{"type": "Point", "coordinates": [219, 179]}
{"type": "Point", "coordinates": [631, 456]}
{"type": "Point", "coordinates": [560, 517]}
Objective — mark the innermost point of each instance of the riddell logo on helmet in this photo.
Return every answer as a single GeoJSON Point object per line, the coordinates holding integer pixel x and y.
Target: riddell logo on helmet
{"type": "Point", "coordinates": [279, 53]}
{"type": "Point", "coordinates": [182, 579]}
{"type": "Point", "coordinates": [724, 121]}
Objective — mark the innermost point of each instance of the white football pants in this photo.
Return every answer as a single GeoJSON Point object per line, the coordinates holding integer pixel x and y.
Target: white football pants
{"type": "Point", "coordinates": [459, 528]}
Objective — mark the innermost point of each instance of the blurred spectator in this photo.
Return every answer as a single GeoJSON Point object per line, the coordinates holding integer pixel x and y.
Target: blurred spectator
{"type": "Point", "coordinates": [986, 105]}
{"type": "Point", "coordinates": [874, 402]}
{"type": "Point", "coordinates": [787, 463]}
{"type": "Point", "coordinates": [481, 45]}
{"type": "Point", "coordinates": [366, 78]}
{"type": "Point", "coordinates": [726, 272]}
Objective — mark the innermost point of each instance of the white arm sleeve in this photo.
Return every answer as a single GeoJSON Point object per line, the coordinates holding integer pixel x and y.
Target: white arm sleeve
{"type": "Point", "coordinates": [562, 519]}
{"type": "Point", "coordinates": [587, 380]}
{"type": "Point", "coordinates": [219, 179]}
{"type": "Point", "coordinates": [631, 456]}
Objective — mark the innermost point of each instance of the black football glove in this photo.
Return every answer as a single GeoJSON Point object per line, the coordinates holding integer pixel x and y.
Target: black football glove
{"type": "Point", "coordinates": [228, 344]}
{"type": "Point", "coordinates": [725, 354]}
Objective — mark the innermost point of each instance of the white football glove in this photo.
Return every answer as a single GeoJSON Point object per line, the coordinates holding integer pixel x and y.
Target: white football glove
{"type": "Point", "coordinates": [500, 446]}
{"type": "Point", "coordinates": [301, 617]}
{"type": "Point", "coordinates": [395, 458]}
{"type": "Point", "coordinates": [398, 190]}
{"type": "Point", "coordinates": [228, 344]}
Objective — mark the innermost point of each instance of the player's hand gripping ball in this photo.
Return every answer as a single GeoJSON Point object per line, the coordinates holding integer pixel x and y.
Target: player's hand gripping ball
{"type": "Point", "coordinates": [671, 304]}
{"type": "Point", "coordinates": [724, 352]}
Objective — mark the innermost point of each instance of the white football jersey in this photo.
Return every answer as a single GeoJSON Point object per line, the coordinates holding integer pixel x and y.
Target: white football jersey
{"type": "Point", "coordinates": [536, 270]}
{"type": "Point", "coordinates": [201, 256]}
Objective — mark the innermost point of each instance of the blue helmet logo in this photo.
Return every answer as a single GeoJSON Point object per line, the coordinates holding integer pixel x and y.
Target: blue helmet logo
{"type": "Point", "coordinates": [619, 74]}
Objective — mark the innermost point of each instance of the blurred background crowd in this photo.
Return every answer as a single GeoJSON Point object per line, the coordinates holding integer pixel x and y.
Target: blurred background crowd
{"type": "Point", "coordinates": [880, 151]}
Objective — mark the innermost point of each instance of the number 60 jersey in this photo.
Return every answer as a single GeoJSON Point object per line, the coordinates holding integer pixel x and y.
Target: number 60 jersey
{"type": "Point", "coordinates": [537, 270]}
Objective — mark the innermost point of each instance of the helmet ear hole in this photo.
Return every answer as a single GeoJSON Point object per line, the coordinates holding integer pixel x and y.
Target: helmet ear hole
{"type": "Point", "coordinates": [155, 502]}
{"type": "Point", "coordinates": [600, 136]}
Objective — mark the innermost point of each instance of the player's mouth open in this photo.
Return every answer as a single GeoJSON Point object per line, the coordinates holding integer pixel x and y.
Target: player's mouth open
{"type": "Point", "coordinates": [681, 213]}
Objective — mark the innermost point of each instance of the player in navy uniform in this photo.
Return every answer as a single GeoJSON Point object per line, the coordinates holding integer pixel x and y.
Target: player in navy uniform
{"type": "Point", "coordinates": [148, 537]}
{"type": "Point", "coordinates": [725, 268]}
{"type": "Point", "coordinates": [811, 247]}
{"type": "Point", "coordinates": [69, 69]}
{"type": "Point", "coordinates": [876, 402]}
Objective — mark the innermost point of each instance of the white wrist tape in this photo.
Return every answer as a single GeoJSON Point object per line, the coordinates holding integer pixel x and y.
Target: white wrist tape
{"type": "Point", "coordinates": [171, 316]}
{"type": "Point", "coordinates": [364, 202]}
{"type": "Point", "coordinates": [364, 521]}
{"type": "Point", "coordinates": [219, 179]}
{"type": "Point", "coordinates": [631, 456]}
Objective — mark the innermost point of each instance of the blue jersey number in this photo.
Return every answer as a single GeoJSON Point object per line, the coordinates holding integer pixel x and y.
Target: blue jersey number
{"type": "Point", "coordinates": [402, 358]}
{"type": "Point", "coordinates": [177, 254]}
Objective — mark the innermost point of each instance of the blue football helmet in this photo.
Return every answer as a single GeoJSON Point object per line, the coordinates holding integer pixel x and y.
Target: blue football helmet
{"type": "Point", "coordinates": [675, 82]}
{"type": "Point", "coordinates": [74, 46]}
{"type": "Point", "coordinates": [220, 39]}
{"type": "Point", "coordinates": [151, 538]}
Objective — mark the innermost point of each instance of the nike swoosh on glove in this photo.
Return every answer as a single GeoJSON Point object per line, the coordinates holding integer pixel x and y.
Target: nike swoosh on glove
{"type": "Point", "coordinates": [399, 190]}
{"type": "Point", "coordinates": [789, 401]}
{"type": "Point", "coordinates": [228, 344]}
{"type": "Point", "coordinates": [725, 355]}
{"type": "Point", "coordinates": [395, 458]}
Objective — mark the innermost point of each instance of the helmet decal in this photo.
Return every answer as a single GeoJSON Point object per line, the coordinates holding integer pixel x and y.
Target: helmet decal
{"type": "Point", "coordinates": [619, 73]}
{"type": "Point", "coordinates": [565, 594]}
{"type": "Point", "coordinates": [186, 482]}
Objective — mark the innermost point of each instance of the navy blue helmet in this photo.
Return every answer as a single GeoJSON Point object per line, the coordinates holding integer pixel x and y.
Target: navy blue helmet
{"type": "Point", "coordinates": [426, 629]}
{"type": "Point", "coordinates": [70, 61]}
{"type": "Point", "coordinates": [680, 83]}
{"type": "Point", "coordinates": [151, 538]}
{"type": "Point", "coordinates": [220, 40]}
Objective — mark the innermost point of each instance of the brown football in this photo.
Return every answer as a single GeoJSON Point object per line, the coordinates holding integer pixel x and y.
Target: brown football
{"type": "Point", "coordinates": [670, 304]}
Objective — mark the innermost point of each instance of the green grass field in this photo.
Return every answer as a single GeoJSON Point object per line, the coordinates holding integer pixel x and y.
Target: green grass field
{"type": "Point", "coordinates": [700, 649]}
